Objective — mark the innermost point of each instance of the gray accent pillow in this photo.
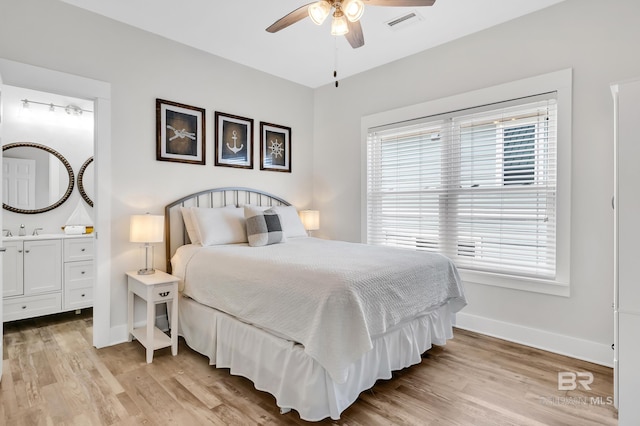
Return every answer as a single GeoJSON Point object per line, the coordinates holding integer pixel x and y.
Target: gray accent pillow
{"type": "Point", "coordinates": [263, 227]}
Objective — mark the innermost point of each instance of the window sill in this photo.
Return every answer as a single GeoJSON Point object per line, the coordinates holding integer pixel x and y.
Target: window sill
{"type": "Point", "coordinates": [535, 285]}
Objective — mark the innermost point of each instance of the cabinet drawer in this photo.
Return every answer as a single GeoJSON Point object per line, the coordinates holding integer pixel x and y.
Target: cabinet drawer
{"type": "Point", "coordinates": [78, 249]}
{"type": "Point", "coordinates": [78, 273]}
{"type": "Point", "coordinates": [163, 292]}
{"type": "Point", "coordinates": [78, 298]}
{"type": "Point", "coordinates": [31, 306]}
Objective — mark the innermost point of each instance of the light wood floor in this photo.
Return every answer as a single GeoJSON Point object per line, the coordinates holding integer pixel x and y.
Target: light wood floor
{"type": "Point", "coordinates": [53, 376]}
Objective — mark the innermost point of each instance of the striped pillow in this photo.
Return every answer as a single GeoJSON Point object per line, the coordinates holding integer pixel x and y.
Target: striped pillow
{"type": "Point", "coordinates": [263, 227]}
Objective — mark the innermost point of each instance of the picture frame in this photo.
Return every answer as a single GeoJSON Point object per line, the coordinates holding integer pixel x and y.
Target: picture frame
{"type": "Point", "coordinates": [233, 141]}
{"type": "Point", "coordinates": [275, 147]}
{"type": "Point", "coordinates": [180, 132]}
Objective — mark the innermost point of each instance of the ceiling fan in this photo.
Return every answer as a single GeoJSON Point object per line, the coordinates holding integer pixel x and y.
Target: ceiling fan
{"type": "Point", "coordinates": [346, 16]}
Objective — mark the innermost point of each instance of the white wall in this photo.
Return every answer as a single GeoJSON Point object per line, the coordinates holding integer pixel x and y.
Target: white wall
{"type": "Point", "coordinates": [598, 40]}
{"type": "Point", "coordinates": [142, 67]}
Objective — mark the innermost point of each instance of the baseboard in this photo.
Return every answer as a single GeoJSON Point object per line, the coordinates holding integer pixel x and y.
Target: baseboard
{"type": "Point", "coordinates": [120, 334]}
{"type": "Point", "coordinates": [564, 345]}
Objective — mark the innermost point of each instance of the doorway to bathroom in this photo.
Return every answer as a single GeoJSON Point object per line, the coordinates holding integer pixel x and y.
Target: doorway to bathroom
{"type": "Point", "coordinates": [73, 91]}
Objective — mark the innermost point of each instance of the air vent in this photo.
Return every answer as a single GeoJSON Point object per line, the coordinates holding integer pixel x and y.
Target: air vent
{"type": "Point", "coordinates": [404, 21]}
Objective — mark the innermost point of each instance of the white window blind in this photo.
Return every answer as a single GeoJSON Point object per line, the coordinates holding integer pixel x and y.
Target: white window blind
{"type": "Point", "coordinates": [478, 185]}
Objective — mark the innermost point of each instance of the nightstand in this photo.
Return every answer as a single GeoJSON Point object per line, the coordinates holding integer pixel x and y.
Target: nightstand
{"type": "Point", "coordinates": [156, 288]}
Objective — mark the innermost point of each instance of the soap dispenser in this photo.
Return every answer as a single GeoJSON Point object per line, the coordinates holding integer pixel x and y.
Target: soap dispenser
{"type": "Point", "coordinates": [22, 232]}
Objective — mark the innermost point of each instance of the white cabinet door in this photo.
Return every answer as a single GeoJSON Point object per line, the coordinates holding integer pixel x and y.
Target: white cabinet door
{"type": "Point", "coordinates": [42, 266]}
{"type": "Point", "coordinates": [12, 269]}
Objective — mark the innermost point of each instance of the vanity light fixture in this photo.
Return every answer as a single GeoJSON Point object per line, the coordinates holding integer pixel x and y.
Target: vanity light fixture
{"type": "Point", "coordinates": [73, 110]}
{"type": "Point", "coordinates": [69, 109]}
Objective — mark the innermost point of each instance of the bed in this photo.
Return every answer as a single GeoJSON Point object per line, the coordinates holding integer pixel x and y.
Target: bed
{"type": "Point", "coordinates": [313, 322]}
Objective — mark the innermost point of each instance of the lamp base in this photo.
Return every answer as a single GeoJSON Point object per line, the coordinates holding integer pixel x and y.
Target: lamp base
{"type": "Point", "coordinates": [148, 261]}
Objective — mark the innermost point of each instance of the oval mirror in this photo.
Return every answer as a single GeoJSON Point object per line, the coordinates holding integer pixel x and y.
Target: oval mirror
{"type": "Point", "coordinates": [36, 178]}
{"type": "Point", "coordinates": [85, 181]}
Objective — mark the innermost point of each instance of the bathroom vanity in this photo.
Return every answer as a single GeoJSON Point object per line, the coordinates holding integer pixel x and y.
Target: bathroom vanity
{"type": "Point", "coordinates": [47, 274]}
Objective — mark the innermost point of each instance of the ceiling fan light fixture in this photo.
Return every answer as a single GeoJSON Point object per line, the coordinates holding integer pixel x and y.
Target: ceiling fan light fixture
{"type": "Point", "coordinates": [339, 24]}
{"type": "Point", "coordinates": [353, 9]}
{"type": "Point", "coordinates": [319, 11]}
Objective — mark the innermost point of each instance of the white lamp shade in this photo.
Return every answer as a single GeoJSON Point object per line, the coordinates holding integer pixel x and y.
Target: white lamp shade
{"type": "Point", "coordinates": [310, 219]}
{"type": "Point", "coordinates": [146, 228]}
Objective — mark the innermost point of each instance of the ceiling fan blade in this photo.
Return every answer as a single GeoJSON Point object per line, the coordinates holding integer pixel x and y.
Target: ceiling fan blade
{"type": "Point", "coordinates": [402, 3]}
{"type": "Point", "coordinates": [290, 19]}
{"type": "Point", "coordinates": [355, 36]}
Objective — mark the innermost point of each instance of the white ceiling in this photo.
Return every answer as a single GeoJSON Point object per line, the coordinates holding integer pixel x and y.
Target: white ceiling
{"type": "Point", "coordinates": [305, 53]}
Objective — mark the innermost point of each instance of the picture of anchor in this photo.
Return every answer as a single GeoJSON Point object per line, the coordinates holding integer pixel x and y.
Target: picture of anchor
{"type": "Point", "coordinates": [235, 148]}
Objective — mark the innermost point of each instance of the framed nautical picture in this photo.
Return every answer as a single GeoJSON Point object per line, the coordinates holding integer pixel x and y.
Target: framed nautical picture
{"type": "Point", "coordinates": [234, 141]}
{"type": "Point", "coordinates": [275, 147]}
{"type": "Point", "coordinates": [180, 132]}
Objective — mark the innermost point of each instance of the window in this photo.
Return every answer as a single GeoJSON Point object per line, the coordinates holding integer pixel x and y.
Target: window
{"type": "Point", "coordinates": [477, 184]}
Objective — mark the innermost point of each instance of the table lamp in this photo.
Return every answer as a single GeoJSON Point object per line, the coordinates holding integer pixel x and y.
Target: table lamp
{"type": "Point", "coordinates": [147, 229]}
{"type": "Point", "coordinates": [310, 220]}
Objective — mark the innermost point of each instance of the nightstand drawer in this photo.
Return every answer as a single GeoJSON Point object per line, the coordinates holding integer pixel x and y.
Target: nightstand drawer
{"type": "Point", "coordinates": [164, 292]}
{"type": "Point", "coordinates": [31, 306]}
{"type": "Point", "coordinates": [78, 298]}
{"type": "Point", "coordinates": [78, 249]}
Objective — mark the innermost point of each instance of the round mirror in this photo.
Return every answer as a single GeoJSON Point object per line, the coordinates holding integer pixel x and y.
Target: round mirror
{"type": "Point", "coordinates": [36, 178]}
{"type": "Point", "coordinates": [85, 181]}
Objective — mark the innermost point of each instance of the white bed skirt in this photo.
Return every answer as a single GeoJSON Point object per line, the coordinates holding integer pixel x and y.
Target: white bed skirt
{"type": "Point", "coordinates": [283, 369]}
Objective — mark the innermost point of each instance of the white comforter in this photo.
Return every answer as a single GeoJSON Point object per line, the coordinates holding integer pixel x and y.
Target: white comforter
{"type": "Point", "coordinates": [330, 296]}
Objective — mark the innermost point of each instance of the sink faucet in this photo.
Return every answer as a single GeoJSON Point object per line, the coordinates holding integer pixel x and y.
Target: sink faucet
{"type": "Point", "coordinates": [8, 231]}
{"type": "Point", "coordinates": [35, 231]}
{"type": "Point", "coordinates": [22, 231]}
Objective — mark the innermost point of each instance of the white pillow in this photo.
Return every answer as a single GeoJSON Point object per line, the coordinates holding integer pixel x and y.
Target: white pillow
{"type": "Point", "coordinates": [190, 225]}
{"type": "Point", "coordinates": [220, 225]}
{"type": "Point", "coordinates": [291, 224]}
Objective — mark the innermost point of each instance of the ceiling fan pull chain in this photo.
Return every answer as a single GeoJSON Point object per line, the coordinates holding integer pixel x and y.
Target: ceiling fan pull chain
{"type": "Point", "coordinates": [335, 60]}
